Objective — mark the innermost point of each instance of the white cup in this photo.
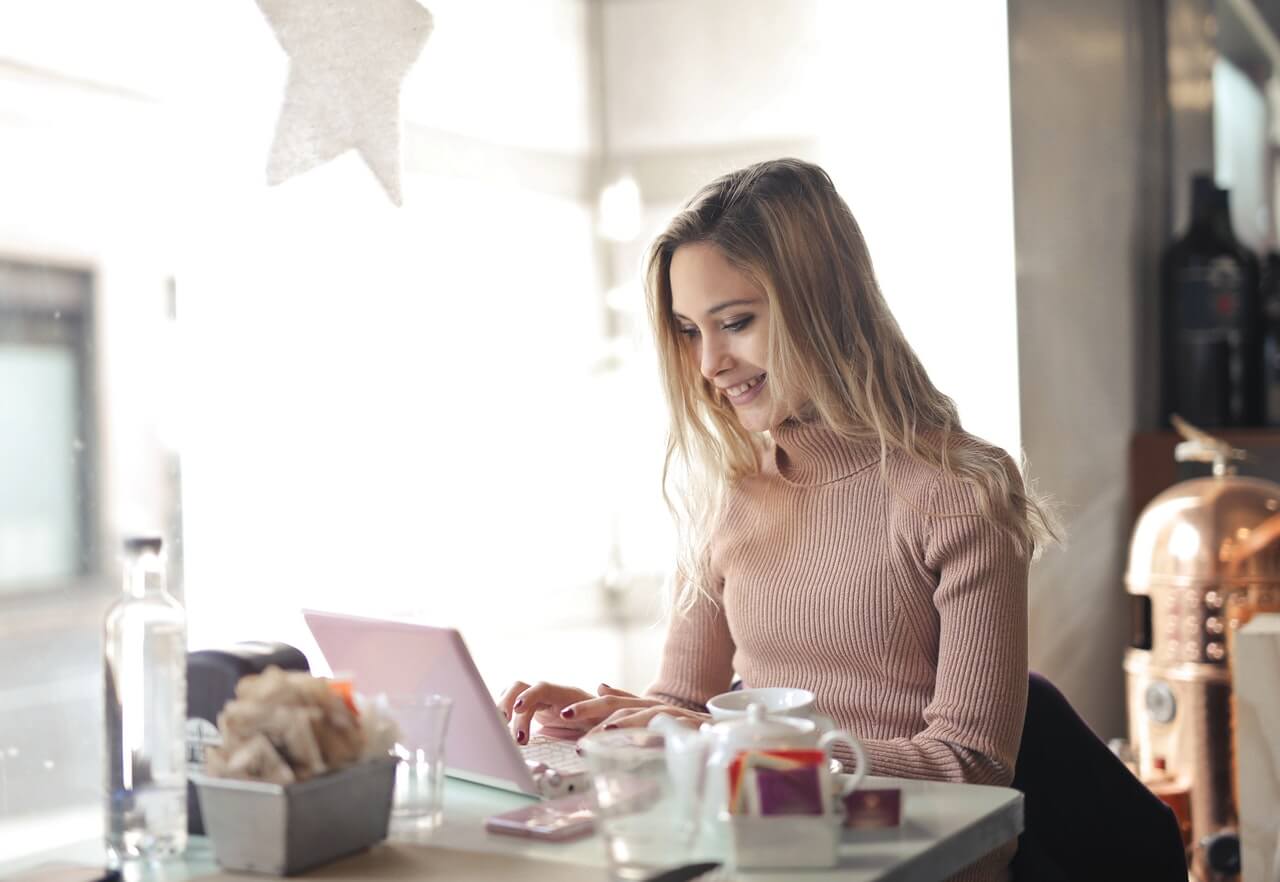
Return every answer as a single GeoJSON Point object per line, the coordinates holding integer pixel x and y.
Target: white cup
{"type": "Point", "coordinates": [777, 700]}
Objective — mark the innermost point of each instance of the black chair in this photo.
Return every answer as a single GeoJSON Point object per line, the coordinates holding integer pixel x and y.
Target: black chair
{"type": "Point", "coordinates": [1086, 817]}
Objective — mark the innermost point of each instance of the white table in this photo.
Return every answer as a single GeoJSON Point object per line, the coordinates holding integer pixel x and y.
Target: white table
{"type": "Point", "coordinates": [945, 828]}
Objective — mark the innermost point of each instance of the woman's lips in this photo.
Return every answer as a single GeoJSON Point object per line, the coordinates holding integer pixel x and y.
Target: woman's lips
{"type": "Point", "coordinates": [752, 392]}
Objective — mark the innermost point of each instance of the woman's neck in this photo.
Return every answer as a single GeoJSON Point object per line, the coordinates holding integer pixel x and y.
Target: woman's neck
{"type": "Point", "coordinates": [807, 451]}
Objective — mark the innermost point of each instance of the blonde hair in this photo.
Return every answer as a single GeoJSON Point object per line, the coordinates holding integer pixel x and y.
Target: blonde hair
{"type": "Point", "coordinates": [832, 342]}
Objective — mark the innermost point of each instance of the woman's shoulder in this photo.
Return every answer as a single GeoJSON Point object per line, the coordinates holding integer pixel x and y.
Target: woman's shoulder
{"type": "Point", "coordinates": [948, 489]}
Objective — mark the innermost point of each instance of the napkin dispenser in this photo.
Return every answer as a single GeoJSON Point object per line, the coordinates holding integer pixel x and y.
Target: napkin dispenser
{"type": "Point", "coordinates": [212, 675]}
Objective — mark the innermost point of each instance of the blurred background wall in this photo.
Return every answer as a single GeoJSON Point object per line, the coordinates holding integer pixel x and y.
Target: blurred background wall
{"type": "Point", "coordinates": [1089, 181]}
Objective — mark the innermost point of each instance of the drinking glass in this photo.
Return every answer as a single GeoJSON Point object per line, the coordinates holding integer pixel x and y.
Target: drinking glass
{"type": "Point", "coordinates": [418, 803]}
{"type": "Point", "coordinates": [648, 799]}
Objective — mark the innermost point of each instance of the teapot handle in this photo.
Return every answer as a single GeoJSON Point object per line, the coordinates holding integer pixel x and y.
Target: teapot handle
{"type": "Point", "coordinates": [823, 722]}
{"type": "Point", "coordinates": [860, 771]}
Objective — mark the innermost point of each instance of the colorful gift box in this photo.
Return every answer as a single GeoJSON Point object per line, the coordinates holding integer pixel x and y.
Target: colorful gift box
{"type": "Point", "coordinates": [781, 813]}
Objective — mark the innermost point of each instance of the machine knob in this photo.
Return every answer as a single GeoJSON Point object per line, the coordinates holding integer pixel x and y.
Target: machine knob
{"type": "Point", "coordinates": [1160, 702]}
{"type": "Point", "coordinates": [1222, 852]}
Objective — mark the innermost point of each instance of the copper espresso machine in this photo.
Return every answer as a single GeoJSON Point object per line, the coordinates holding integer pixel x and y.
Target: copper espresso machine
{"type": "Point", "coordinates": [1203, 560]}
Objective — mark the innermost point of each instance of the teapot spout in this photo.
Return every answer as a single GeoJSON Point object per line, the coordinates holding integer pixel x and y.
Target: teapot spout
{"type": "Point", "coordinates": [677, 735]}
{"type": "Point", "coordinates": [686, 754]}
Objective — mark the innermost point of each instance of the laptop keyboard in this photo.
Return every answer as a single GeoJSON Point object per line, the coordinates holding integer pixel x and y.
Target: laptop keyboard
{"type": "Point", "coordinates": [554, 753]}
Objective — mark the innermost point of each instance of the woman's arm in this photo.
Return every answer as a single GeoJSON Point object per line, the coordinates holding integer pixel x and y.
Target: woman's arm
{"type": "Point", "coordinates": [974, 721]}
{"type": "Point", "coordinates": [697, 659]}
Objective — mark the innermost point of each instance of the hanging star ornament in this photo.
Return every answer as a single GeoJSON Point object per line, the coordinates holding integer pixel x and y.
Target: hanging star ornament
{"type": "Point", "coordinates": [347, 60]}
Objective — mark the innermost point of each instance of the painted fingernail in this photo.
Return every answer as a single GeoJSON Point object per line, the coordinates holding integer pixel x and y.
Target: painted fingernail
{"type": "Point", "coordinates": [578, 751]}
{"type": "Point", "coordinates": [520, 736]}
{"type": "Point", "coordinates": [611, 726]}
{"type": "Point", "coordinates": [519, 704]}
{"type": "Point", "coordinates": [567, 713]}
{"type": "Point", "coordinates": [605, 686]}
{"type": "Point", "coordinates": [506, 716]}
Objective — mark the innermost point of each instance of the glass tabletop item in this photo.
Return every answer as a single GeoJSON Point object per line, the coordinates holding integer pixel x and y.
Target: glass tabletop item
{"type": "Point", "coordinates": [648, 806]}
{"type": "Point", "coordinates": [418, 804]}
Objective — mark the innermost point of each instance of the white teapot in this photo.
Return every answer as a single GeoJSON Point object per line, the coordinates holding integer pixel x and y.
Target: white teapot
{"type": "Point", "coordinates": [774, 841]}
{"type": "Point", "coordinates": [718, 743]}
{"type": "Point", "coordinates": [760, 730]}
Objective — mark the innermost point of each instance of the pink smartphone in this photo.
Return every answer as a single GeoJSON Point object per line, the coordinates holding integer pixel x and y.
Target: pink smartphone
{"type": "Point", "coordinates": [555, 820]}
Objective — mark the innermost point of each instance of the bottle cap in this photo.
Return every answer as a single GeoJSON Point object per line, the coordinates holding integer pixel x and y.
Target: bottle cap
{"type": "Point", "coordinates": [136, 544]}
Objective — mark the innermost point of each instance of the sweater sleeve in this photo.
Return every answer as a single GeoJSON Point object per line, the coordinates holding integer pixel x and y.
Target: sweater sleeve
{"type": "Point", "coordinates": [697, 659]}
{"type": "Point", "coordinates": [973, 724]}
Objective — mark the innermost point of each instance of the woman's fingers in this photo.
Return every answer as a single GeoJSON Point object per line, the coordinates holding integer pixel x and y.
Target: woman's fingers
{"type": "Point", "coordinates": [606, 689]}
{"type": "Point", "coordinates": [551, 718]}
{"type": "Point", "coordinates": [594, 710]}
{"type": "Point", "coordinates": [512, 705]}
{"type": "Point", "coordinates": [631, 717]}
{"type": "Point", "coordinates": [634, 717]}
{"type": "Point", "coordinates": [509, 697]}
{"type": "Point", "coordinates": [564, 706]}
{"type": "Point", "coordinates": [542, 697]}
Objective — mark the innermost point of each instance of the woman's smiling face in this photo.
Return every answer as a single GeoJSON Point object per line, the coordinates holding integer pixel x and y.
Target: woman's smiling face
{"type": "Point", "coordinates": [724, 318]}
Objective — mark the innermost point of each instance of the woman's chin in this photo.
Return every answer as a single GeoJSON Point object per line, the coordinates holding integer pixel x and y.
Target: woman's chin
{"type": "Point", "coordinates": [757, 415]}
{"type": "Point", "coordinates": [755, 420]}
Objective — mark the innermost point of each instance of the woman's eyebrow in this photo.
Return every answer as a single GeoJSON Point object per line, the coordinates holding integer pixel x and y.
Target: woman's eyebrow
{"type": "Point", "coordinates": [718, 307]}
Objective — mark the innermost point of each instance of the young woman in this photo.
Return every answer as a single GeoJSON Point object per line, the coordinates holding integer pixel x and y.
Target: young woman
{"type": "Point", "coordinates": [840, 531]}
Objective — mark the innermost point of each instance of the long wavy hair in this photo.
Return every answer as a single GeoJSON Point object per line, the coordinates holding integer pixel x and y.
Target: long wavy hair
{"type": "Point", "coordinates": [833, 343]}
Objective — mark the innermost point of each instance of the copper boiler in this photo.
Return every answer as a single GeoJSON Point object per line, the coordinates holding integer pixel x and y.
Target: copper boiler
{"type": "Point", "coordinates": [1203, 560]}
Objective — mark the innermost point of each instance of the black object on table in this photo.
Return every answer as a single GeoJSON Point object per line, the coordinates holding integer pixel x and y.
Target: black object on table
{"type": "Point", "coordinates": [685, 873]}
{"type": "Point", "coordinates": [212, 675]}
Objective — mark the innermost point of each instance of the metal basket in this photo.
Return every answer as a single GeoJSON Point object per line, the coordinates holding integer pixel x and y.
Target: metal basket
{"type": "Point", "coordinates": [282, 830]}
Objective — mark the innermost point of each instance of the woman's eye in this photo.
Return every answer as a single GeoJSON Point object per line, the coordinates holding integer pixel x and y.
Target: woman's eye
{"type": "Point", "coordinates": [689, 332]}
{"type": "Point", "coordinates": [739, 324]}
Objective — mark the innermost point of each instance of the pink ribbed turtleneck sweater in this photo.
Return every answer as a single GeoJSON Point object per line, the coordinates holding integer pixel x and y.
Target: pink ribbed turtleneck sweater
{"type": "Point", "coordinates": [904, 610]}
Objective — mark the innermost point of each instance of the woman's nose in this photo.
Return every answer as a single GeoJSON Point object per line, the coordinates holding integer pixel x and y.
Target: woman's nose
{"type": "Point", "coordinates": [715, 359]}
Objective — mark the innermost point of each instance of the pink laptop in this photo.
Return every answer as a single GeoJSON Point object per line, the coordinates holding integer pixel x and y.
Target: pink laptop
{"type": "Point", "coordinates": [404, 658]}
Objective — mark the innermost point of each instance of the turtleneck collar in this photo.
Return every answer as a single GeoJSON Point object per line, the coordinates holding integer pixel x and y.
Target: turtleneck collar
{"type": "Point", "coordinates": [807, 452]}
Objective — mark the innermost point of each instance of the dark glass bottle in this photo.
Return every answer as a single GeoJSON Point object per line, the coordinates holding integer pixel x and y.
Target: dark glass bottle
{"type": "Point", "coordinates": [1212, 345]}
{"type": "Point", "coordinates": [1271, 340]}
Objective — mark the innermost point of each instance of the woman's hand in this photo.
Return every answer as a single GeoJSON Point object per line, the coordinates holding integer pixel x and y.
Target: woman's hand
{"type": "Point", "coordinates": [566, 707]}
{"type": "Point", "coordinates": [638, 715]}
{"type": "Point", "coordinates": [521, 704]}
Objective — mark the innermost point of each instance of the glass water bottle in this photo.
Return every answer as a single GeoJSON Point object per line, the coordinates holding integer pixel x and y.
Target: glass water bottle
{"type": "Point", "coordinates": [145, 658]}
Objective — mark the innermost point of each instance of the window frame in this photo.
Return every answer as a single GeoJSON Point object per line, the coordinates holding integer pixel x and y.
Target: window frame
{"type": "Point", "coordinates": [50, 304]}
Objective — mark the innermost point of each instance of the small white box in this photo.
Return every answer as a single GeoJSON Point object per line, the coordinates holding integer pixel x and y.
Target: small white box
{"type": "Point", "coordinates": [1256, 670]}
{"type": "Point", "coordinates": [778, 841]}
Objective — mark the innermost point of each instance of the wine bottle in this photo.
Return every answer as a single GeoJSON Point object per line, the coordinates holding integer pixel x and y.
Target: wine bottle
{"type": "Point", "coordinates": [1271, 340]}
{"type": "Point", "coordinates": [1211, 341]}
